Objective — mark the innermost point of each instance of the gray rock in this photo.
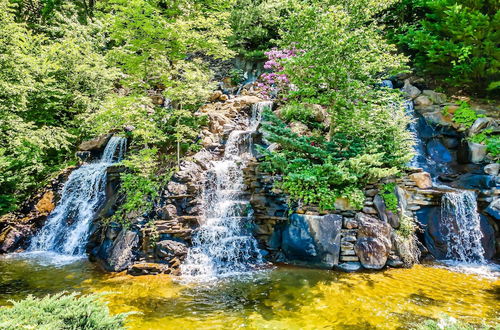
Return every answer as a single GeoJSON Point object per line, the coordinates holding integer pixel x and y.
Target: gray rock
{"type": "Point", "coordinates": [95, 144]}
{"type": "Point", "coordinates": [177, 189]}
{"type": "Point", "coordinates": [494, 209]}
{"type": "Point", "coordinates": [349, 266]}
{"type": "Point", "coordinates": [168, 249]}
{"type": "Point", "coordinates": [374, 241]}
{"type": "Point", "coordinates": [422, 101]}
{"type": "Point", "coordinates": [492, 169]}
{"type": "Point", "coordinates": [437, 118]}
{"type": "Point", "coordinates": [475, 181]}
{"type": "Point", "coordinates": [121, 253]}
{"type": "Point", "coordinates": [479, 125]}
{"type": "Point", "coordinates": [411, 91]}
{"type": "Point", "coordinates": [313, 240]}
{"type": "Point", "coordinates": [435, 97]}
{"type": "Point", "coordinates": [430, 218]}
{"type": "Point", "coordinates": [477, 152]}
{"type": "Point", "coordinates": [385, 214]}
{"type": "Point", "coordinates": [369, 210]}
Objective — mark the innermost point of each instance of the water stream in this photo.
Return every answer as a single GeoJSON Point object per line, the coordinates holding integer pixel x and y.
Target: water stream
{"type": "Point", "coordinates": [224, 245]}
{"type": "Point", "coordinates": [462, 229]}
{"type": "Point", "coordinates": [67, 227]}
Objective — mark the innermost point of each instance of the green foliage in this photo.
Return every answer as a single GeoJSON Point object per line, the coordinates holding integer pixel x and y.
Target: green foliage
{"type": "Point", "coordinates": [465, 115]}
{"type": "Point", "coordinates": [295, 111]}
{"type": "Point", "coordinates": [493, 146]}
{"type": "Point", "coordinates": [344, 53]}
{"type": "Point", "coordinates": [341, 57]}
{"type": "Point", "coordinates": [457, 41]}
{"type": "Point", "coordinates": [316, 171]}
{"type": "Point", "coordinates": [236, 76]}
{"type": "Point", "coordinates": [407, 227]}
{"type": "Point", "coordinates": [389, 196]}
{"type": "Point", "coordinates": [255, 25]}
{"type": "Point", "coordinates": [44, 84]}
{"type": "Point", "coordinates": [60, 311]}
{"type": "Point", "coordinates": [151, 40]}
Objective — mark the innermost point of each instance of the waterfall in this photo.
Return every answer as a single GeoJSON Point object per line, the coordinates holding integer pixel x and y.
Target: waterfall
{"type": "Point", "coordinates": [224, 245]}
{"type": "Point", "coordinates": [67, 227]}
{"type": "Point", "coordinates": [461, 227]}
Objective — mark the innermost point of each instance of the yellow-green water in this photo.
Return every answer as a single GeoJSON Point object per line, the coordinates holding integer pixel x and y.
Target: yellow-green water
{"type": "Point", "coordinates": [282, 298]}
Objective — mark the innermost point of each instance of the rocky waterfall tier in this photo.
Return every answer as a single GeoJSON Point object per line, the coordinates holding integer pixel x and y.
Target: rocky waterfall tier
{"type": "Point", "coordinates": [224, 245]}
{"type": "Point", "coordinates": [67, 228]}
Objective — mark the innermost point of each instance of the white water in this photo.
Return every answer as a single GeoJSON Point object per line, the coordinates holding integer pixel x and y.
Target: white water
{"type": "Point", "coordinates": [67, 228]}
{"type": "Point", "coordinates": [224, 245]}
{"type": "Point", "coordinates": [461, 227]}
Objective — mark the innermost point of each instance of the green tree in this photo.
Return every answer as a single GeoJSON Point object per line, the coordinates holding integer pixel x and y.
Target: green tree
{"type": "Point", "coordinates": [457, 41]}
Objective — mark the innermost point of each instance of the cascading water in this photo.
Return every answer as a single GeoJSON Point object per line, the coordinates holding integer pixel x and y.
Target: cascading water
{"type": "Point", "coordinates": [67, 227]}
{"type": "Point", "coordinates": [224, 245]}
{"type": "Point", "coordinates": [461, 227]}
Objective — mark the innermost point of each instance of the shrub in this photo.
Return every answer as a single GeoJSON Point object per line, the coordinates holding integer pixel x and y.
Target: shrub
{"type": "Point", "coordinates": [60, 311]}
{"type": "Point", "coordinates": [390, 198]}
{"type": "Point", "coordinates": [456, 41]}
{"type": "Point", "coordinates": [298, 112]}
{"type": "Point", "coordinates": [465, 115]}
{"type": "Point", "coordinates": [317, 171]}
{"type": "Point", "coordinates": [255, 25]}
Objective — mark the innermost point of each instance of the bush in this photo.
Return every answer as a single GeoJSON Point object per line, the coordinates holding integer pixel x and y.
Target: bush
{"type": "Point", "coordinates": [465, 115]}
{"type": "Point", "coordinates": [60, 311]}
{"type": "Point", "coordinates": [456, 41]}
{"type": "Point", "coordinates": [255, 25]}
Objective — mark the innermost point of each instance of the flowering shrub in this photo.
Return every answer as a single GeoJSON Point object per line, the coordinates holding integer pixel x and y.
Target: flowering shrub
{"type": "Point", "coordinates": [277, 80]}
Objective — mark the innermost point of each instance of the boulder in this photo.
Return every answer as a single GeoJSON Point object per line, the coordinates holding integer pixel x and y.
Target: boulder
{"type": "Point", "coordinates": [475, 181]}
{"type": "Point", "coordinates": [437, 118]}
{"type": "Point", "coordinates": [422, 180]}
{"type": "Point", "coordinates": [12, 237]}
{"type": "Point", "coordinates": [494, 209]}
{"type": "Point", "coordinates": [411, 91]}
{"type": "Point", "coordinates": [349, 267]}
{"type": "Point", "coordinates": [422, 101]}
{"type": "Point", "coordinates": [477, 152]}
{"type": "Point", "coordinates": [385, 214]}
{"type": "Point", "coordinates": [169, 249]}
{"type": "Point", "coordinates": [312, 240]}
{"type": "Point", "coordinates": [492, 169]}
{"type": "Point", "coordinates": [374, 241]}
{"type": "Point", "coordinates": [435, 97]}
{"type": "Point", "coordinates": [121, 253]}
{"type": "Point", "coordinates": [176, 188]}
{"type": "Point", "coordinates": [371, 252]}
{"type": "Point", "coordinates": [434, 240]}
{"type": "Point", "coordinates": [46, 204]}
{"type": "Point", "coordinates": [147, 268]}
{"type": "Point", "coordinates": [479, 125]}
{"type": "Point", "coordinates": [95, 144]}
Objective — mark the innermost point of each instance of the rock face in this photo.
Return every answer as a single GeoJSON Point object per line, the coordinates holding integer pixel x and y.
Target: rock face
{"type": "Point", "coordinates": [16, 229]}
{"type": "Point", "coordinates": [121, 253]}
{"type": "Point", "coordinates": [96, 144]}
{"type": "Point", "coordinates": [422, 180]}
{"type": "Point", "coordinates": [430, 218]}
{"type": "Point", "coordinates": [313, 240]}
{"type": "Point", "coordinates": [374, 241]}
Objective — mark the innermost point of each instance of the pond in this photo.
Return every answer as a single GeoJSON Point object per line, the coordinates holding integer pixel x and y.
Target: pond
{"type": "Point", "coordinates": [280, 298]}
